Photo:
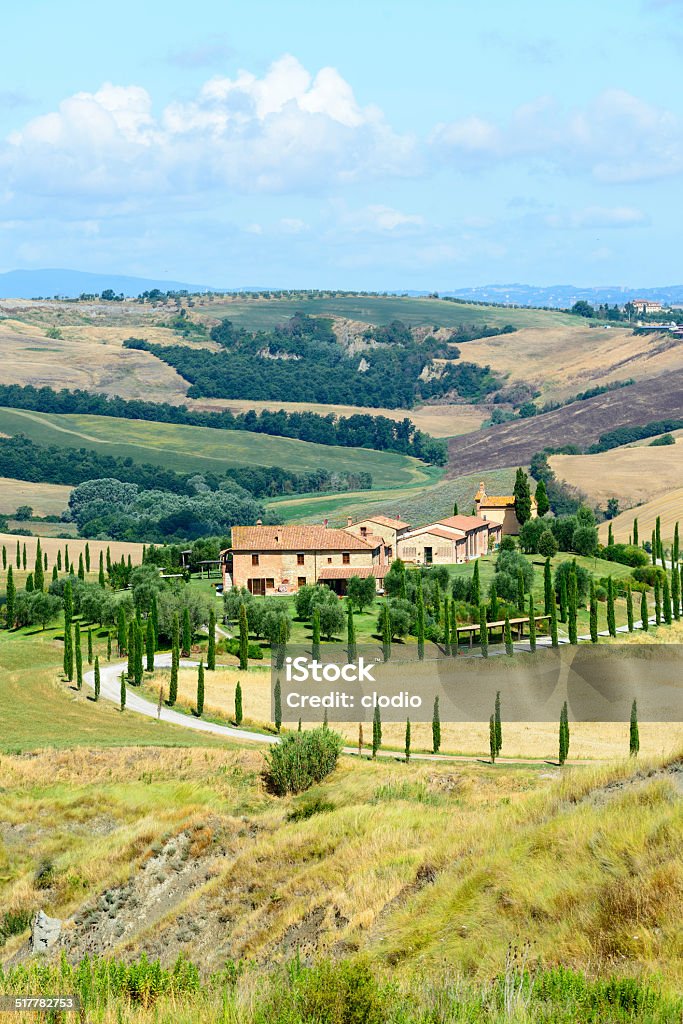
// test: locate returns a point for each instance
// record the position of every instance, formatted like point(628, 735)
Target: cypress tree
point(101, 579)
point(542, 503)
point(436, 602)
point(238, 704)
point(455, 508)
point(521, 603)
point(130, 563)
point(407, 739)
point(28, 586)
point(4, 557)
point(211, 652)
point(475, 586)
point(89, 646)
point(131, 651)
point(66, 558)
point(522, 495)
point(386, 631)
point(282, 642)
point(187, 633)
point(436, 727)
point(108, 646)
point(644, 612)
point(244, 639)
point(483, 632)
point(593, 614)
point(563, 598)
point(554, 639)
point(629, 607)
point(149, 645)
point(350, 634)
point(79, 656)
point(498, 724)
point(666, 601)
point(547, 587)
point(10, 599)
point(122, 698)
point(23, 557)
point(97, 678)
point(81, 568)
point(315, 643)
point(634, 734)
point(610, 535)
point(38, 571)
point(200, 689)
point(653, 549)
point(635, 531)
point(564, 734)
point(447, 625)
point(376, 737)
point(532, 624)
point(676, 593)
point(121, 630)
point(675, 550)
point(277, 700)
point(509, 649)
point(611, 619)
point(87, 557)
point(658, 602)
point(658, 537)
point(59, 560)
point(420, 621)
point(18, 557)
point(492, 739)
point(360, 739)
point(68, 650)
point(175, 661)
point(572, 609)
point(494, 611)
point(454, 629)
point(54, 573)
point(108, 560)
point(154, 615)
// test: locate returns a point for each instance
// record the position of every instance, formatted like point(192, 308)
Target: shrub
point(625, 554)
point(663, 440)
point(301, 759)
point(583, 579)
point(585, 540)
point(507, 544)
point(255, 652)
point(648, 574)
point(307, 808)
point(547, 545)
point(328, 993)
point(508, 565)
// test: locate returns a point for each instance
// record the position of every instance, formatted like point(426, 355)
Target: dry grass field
point(669, 507)
point(634, 474)
point(51, 545)
point(532, 740)
point(44, 499)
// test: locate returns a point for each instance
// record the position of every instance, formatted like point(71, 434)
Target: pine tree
point(101, 579)
point(200, 689)
point(635, 532)
point(238, 704)
point(386, 631)
point(658, 602)
point(542, 503)
point(611, 618)
point(121, 630)
point(629, 607)
point(521, 603)
point(483, 632)
point(593, 614)
point(277, 702)
point(572, 608)
point(10, 599)
point(315, 642)
point(131, 651)
point(498, 724)
point(644, 612)
point(407, 739)
point(244, 639)
point(507, 634)
point(554, 639)
point(79, 656)
point(436, 727)
point(149, 645)
point(350, 634)
point(547, 587)
point(666, 601)
point(122, 698)
point(634, 734)
point(522, 495)
point(376, 731)
point(532, 624)
point(97, 678)
point(175, 661)
point(187, 633)
point(475, 587)
point(108, 646)
point(564, 734)
point(90, 646)
point(38, 571)
point(81, 568)
point(492, 739)
point(676, 593)
point(211, 651)
point(420, 621)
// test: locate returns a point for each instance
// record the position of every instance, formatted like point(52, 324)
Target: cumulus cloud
point(616, 138)
point(284, 131)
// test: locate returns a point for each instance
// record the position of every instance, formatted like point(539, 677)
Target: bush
point(585, 540)
point(328, 993)
point(508, 565)
point(255, 652)
point(308, 807)
point(507, 543)
point(648, 574)
point(583, 579)
point(625, 554)
point(301, 759)
point(530, 535)
point(664, 439)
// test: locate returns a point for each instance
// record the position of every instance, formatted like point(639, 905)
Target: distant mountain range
point(563, 296)
point(69, 284)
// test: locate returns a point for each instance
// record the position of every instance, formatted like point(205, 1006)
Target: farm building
point(385, 528)
point(450, 540)
point(500, 509)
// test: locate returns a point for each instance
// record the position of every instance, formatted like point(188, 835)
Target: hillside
point(668, 507)
point(634, 474)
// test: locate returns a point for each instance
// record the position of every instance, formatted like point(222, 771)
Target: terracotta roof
point(346, 572)
point(295, 538)
point(464, 523)
point(397, 524)
point(499, 501)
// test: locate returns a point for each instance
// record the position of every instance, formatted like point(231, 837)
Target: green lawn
point(258, 314)
point(200, 449)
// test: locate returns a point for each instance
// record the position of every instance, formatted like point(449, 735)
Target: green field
point(258, 314)
point(203, 449)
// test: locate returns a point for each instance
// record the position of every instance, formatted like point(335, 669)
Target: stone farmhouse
point(453, 539)
point(500, 509)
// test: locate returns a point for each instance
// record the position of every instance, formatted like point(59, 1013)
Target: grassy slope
point(201, 449)
point(668, 507)
point(44, 499)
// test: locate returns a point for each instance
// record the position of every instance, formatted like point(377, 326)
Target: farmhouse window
point(346, 558)
point(301, 581)
point(300, 558)
point(254, 559)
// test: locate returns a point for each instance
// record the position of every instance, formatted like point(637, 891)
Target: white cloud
point(616, 138)
point(286, 131)
point(597, 217)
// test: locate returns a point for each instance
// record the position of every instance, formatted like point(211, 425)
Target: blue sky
point(374, 145)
